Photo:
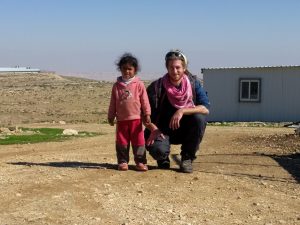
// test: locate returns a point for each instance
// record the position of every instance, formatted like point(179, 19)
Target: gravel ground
point(76, 182)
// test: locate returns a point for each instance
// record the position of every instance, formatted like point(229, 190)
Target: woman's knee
point(198, 120)
point(160, 149)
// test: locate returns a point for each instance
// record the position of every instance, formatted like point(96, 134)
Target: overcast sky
point(86, 37)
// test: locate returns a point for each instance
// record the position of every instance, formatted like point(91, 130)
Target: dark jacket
point(161, 108)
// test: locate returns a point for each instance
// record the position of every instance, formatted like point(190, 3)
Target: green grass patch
point(35, 135)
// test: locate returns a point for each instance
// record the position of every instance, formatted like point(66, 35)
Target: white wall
point(18, 69)
point(280, 94)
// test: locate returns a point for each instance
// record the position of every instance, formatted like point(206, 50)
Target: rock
point(264, 183)
point(254, 217)
point(62, 122)
point(70, 132)
point(13, 128)
point(107, 185)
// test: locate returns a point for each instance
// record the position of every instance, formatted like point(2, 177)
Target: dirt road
point(236, 181)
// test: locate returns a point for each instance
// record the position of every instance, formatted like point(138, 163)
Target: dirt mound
point(279, 144)
point(29, 79)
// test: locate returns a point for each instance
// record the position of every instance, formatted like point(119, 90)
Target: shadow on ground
point(76, 164)
point(291, 163)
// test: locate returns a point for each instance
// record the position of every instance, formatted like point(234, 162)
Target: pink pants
point(130, 131)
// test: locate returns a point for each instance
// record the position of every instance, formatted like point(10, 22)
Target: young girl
point(129, 104)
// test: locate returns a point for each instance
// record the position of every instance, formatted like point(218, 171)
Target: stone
point(70, 132)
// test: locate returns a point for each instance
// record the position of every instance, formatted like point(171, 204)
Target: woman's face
point(175, 70)
point(127, 71)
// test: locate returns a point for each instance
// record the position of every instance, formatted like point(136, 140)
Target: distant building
point(270, 94)
point(18, 69)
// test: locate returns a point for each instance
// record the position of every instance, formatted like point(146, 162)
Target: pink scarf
point(179, 97)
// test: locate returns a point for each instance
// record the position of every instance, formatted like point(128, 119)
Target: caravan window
point(250, 90)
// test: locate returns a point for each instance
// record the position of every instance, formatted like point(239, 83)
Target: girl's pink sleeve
point(145, 101)
point(112, 105)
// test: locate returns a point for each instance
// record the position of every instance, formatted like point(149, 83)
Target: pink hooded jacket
point(128, 101)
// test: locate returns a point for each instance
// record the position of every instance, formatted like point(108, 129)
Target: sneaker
point(123, 166)
point(186, 166)
point(141, 167)
point(164, 163)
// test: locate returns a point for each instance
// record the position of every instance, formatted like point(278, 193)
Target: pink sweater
point(128, 101)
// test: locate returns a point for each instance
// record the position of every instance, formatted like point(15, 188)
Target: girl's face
point(175, 70)
point(127, 71)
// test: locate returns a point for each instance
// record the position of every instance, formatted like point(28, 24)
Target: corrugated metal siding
point(280, 93)
point(291, 91)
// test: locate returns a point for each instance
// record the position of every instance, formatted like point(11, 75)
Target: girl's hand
point(146, 120)
point(175, 120)
point(153, 136)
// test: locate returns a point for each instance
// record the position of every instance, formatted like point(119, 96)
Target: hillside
point(28, 98)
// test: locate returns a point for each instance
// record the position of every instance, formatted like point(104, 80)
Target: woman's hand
point(175, 120)
point(154, 135)
point(111, 121)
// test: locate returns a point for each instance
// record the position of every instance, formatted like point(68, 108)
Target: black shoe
point(164, 163)
point(186, 166)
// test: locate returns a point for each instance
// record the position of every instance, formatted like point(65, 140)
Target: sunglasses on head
point(174, 54)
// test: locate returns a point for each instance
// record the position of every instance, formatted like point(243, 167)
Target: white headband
point(176, 53)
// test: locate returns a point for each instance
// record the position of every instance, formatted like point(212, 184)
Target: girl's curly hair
point(128, 58)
